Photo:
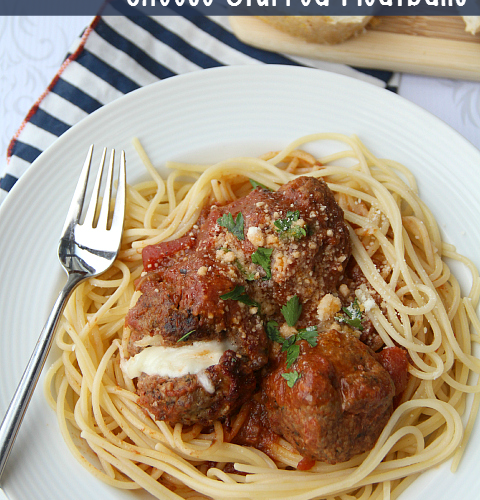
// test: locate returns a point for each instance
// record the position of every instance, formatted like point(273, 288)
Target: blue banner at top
point(242, 7)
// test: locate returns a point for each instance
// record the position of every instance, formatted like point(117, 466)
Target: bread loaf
point(319, 29)
point(472, 24)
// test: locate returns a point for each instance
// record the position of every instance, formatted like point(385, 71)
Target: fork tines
point(92, 217)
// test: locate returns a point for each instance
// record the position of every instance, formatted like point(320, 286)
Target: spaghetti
point(424, 312)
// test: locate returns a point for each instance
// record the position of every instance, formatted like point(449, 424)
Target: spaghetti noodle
point(424, 312)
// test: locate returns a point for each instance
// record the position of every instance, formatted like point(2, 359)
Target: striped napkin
point(118, 54)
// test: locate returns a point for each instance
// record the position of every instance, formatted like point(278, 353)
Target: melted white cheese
point(174, 362)
point(205, 382)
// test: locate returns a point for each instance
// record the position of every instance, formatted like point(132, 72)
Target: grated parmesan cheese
point(255, 236)
point(367, 303)
point(328, 306)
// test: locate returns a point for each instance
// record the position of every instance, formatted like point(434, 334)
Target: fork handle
point(14, 416)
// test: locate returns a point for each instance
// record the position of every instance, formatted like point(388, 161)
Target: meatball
point(305, 230)
point(178, 300)
point(181, 305)
point(186, 400)
point(339, 404)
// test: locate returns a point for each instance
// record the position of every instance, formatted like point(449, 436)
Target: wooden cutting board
point(435, 46)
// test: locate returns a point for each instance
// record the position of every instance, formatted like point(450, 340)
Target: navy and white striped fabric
point(118, 54)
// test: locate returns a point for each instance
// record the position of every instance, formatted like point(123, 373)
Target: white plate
point(209, 115)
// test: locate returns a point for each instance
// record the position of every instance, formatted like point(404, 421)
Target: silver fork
point(85, 250)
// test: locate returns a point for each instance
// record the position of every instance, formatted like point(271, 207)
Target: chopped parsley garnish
point(262, 258)
point(234, 294)
point(238, 293)
point(273, 333)
point(291, 311)
point(248, 276)
point(234, 226)
point(185, 336)
point(289, 345)
point(287, 228)
point(256, 184)
point(352, 316)
point(292, 354)
point(310, 334)
point(291, 378)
